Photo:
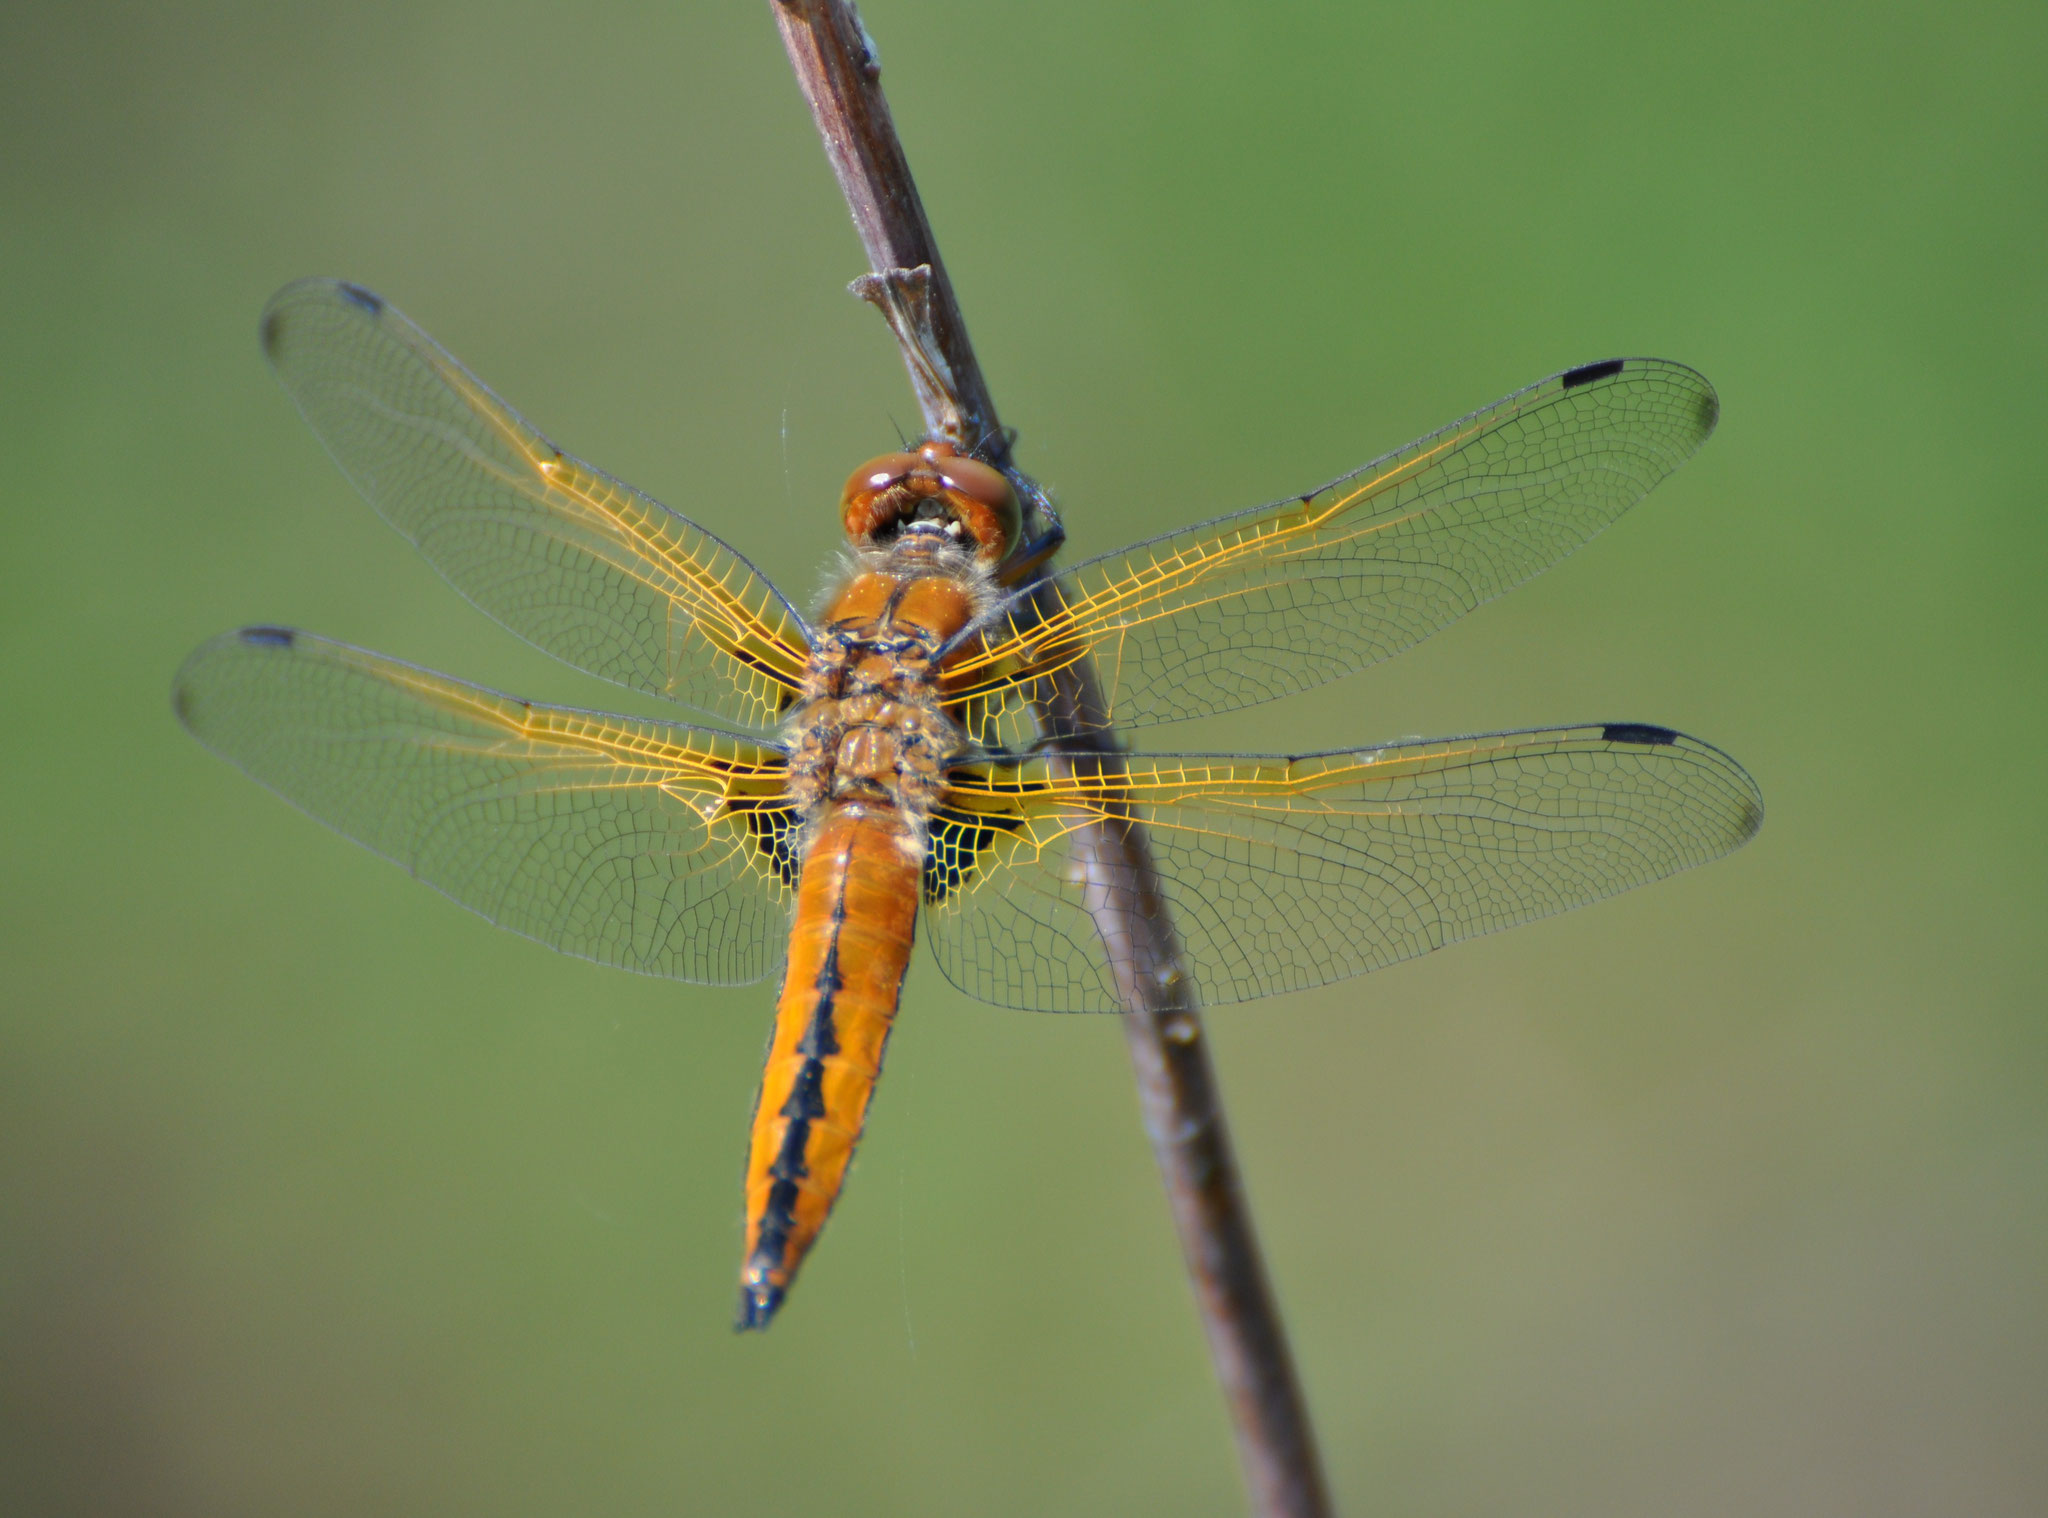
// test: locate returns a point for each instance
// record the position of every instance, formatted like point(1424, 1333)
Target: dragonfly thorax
point(870, 727)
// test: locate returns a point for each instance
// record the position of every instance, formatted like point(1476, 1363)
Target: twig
point(840, 74)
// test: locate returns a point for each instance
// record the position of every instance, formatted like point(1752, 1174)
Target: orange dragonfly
point(886, 766)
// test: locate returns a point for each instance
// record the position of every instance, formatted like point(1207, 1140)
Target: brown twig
point(837, 67)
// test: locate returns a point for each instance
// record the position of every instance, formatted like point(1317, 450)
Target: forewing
point(1283, 598)
point(581, 564)
point(648, 845)
point(1286, 873)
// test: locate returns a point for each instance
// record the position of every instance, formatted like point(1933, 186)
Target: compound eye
point(878, 474)
point(864, 506)
point(981, 498)
point(970, 477)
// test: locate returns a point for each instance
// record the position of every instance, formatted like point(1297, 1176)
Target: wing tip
point(182, 701)
point(270, 332)
point(271, 326)
point(1749, 820)
point(1746, 818)
point(1706, 404)
point(188, 685)
point(1706, 408)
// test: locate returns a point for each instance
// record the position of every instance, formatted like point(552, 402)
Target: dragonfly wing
point(1285, 873)
point(1286, 597)
point(577, 562)
point(648, 845)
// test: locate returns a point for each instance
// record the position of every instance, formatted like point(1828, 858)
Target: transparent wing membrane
point(675, 850)
point(587, 567)
point(1286, 597)
point(648, 845)
point(1286, 873)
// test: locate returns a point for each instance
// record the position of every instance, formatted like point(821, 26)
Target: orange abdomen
point(856, 913)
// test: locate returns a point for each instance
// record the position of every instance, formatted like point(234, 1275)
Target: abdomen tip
point(757, 1307)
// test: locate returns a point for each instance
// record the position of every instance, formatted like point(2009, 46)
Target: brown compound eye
point(982, 500)
point(934, 482)
point(870, 501)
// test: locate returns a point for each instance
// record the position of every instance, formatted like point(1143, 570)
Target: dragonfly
point(880, 762)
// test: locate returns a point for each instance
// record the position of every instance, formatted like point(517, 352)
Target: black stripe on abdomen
point(805, 1105)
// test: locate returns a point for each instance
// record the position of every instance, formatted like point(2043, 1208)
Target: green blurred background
point(320, 1196)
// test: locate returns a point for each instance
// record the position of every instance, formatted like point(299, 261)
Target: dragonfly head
point(936, 491)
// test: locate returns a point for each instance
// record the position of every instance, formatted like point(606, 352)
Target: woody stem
point(840, 76)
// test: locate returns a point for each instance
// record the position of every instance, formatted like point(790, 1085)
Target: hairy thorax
point(869, 729)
